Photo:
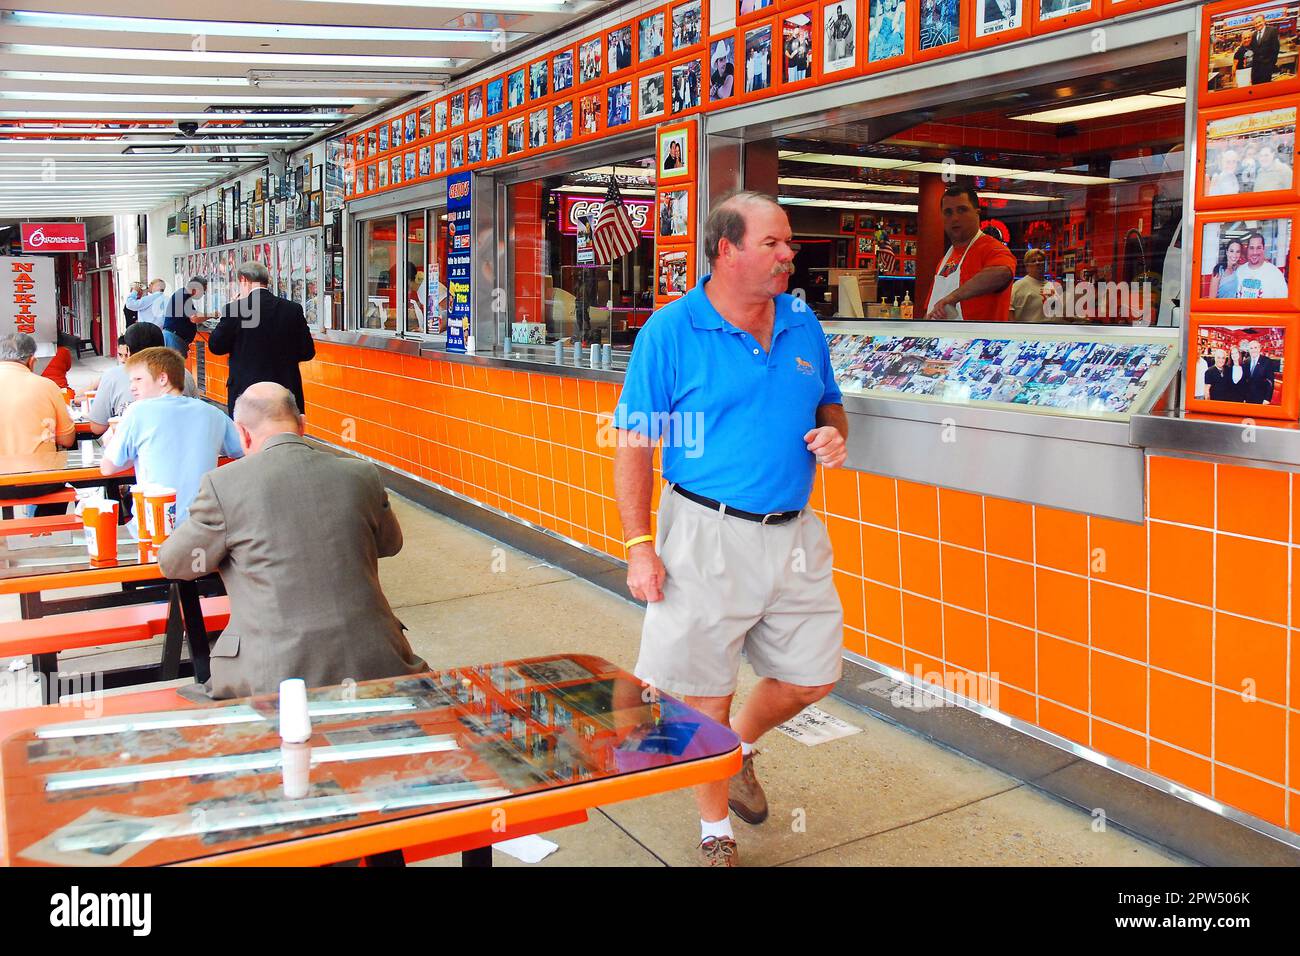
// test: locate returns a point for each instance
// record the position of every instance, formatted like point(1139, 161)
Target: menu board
point(1094, 377)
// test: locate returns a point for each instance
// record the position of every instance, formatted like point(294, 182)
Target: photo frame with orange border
point(1234, 129)
point(537, 72)
point(474, 104)
point(799, 65)
point(879, 47)
point(675, 215)
point(494, 97)
point(456, 152)
point(537, 128)
point(620, 60)
point(1016, 28)
point(372, 178)
point(475, 147)
point(517, 81)
point(589, 62)
point(516, 136)
point(1210, 365)
point(1224, 27)
point(564, 70)
point(564, 119)
point(684, 135)
point(687, 82)
point(425, 121)
point(589, 114)
point(758, 69)
point(1249, 288)
point(747, 11)
point(440, 164)
point(649, 108)
point(674, 272)
point(688, 26)
point(652, 36)
point(830, 65)
point(925, 32)
point(721, 55)
point(618, 104)
point(411, 126)
point(1117, 8)
point(1048, 16)
point(494, 143)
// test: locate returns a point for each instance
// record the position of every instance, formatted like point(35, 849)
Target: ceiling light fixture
point(1112, 107)
point(218, 56)
point(959, 169)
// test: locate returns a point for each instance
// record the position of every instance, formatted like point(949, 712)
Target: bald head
point(264, 410)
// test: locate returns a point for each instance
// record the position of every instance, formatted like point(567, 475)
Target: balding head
point(264, 410)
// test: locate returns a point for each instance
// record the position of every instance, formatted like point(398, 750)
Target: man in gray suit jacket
point(297, 535)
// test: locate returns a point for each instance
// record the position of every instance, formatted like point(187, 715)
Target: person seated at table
point(113, 393)
point(56, 369)
point(172, 439)
point(34, 418)
point(297, 534)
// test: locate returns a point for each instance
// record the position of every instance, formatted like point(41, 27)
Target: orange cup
point(141, 509)
point(100, 520)
point(161, 503)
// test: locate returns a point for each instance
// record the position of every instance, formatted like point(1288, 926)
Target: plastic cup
point(295, 720)
point(141, 509)
point(295, 766)
point(100, 521)
point(161, 503)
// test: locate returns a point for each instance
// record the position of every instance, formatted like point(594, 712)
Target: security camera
point(188, 129)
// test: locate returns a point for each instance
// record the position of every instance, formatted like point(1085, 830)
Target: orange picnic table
point(421, 765)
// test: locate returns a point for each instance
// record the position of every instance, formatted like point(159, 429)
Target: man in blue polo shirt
point(735, 378)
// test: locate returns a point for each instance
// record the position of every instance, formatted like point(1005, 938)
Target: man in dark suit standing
point(264, 335)
point(1264, 46)
point(1258, 374)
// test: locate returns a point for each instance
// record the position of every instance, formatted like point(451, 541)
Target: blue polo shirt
point(731, 415)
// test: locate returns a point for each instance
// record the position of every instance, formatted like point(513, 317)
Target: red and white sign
point(54, 237)
point(573, 208)
point(27, 297)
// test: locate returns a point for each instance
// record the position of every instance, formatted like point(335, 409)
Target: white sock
point(746, 749)
point(719, 828)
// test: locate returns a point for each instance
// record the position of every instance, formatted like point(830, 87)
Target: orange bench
point(63, 496)
point(35, 526)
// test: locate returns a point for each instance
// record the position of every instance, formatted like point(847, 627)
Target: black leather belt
point(776, 517)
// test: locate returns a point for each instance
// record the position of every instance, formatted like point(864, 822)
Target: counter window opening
point(402, 266)
point(1088, 177)
point(561, 288)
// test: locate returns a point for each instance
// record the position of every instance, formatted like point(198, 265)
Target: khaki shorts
point(735, 585)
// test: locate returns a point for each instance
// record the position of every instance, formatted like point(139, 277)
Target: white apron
point(945, 284)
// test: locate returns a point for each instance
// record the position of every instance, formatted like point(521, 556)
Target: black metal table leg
point(479, 856)
point(171, 654)
point(387, 858)
point(196, 631)
point(47, 669)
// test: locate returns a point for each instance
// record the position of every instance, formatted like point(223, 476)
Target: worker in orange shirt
point(973, 283)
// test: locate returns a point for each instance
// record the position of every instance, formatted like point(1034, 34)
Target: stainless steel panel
point(369, 340)
point(1255, 442)
point(1084, 476)
point(525, 365)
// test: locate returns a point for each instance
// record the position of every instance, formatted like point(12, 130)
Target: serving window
point(563, 288)
point(401, 270)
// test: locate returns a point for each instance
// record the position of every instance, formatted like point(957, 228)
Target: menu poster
point(459, 269)
point(312, 278)
point(1091, 378)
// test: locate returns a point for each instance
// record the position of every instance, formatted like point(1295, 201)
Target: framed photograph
point(562, 71)
point(383, 174)
point(618, 48)
point(941, 27)
point(1245, 264)
point(516, 87)
point(395, 133)
point(494, 148)
point(589, 61)
point(590, 108)
point(394, 177)
point(1248, 51)
point(841, 253)
point(1246, 154)
point(687, 24)
point(747, 10)
point(676, 152)
point(411, 127)
point(618, 104)
point(998, 21)
point(317, 174)
point(474, 104)
point(539, 128)
point(799, 56)
point(839, 36)
point(1048, 15)
point(317, 205)
point(383, 138)
point(677, 214)
point(651, 104)
point(496, 96)
point(650, 44)
point(439, 157)
point(409, 165)
point(426, 122)
point(539, 80)
point(685, 81)
point(722, 69)
point(457, 152)
point(675, 273)
point(1237, 368)
point(562, 122)
point(474, 147)
point(424, 163)
point(515, 136)
point(372, 143)
point(372, 181)
point(758, 59)
point(457, 117)
point(865, 222)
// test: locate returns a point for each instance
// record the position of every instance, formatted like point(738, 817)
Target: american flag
point(614, 235)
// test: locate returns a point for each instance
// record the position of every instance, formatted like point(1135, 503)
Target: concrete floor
point(884, 797)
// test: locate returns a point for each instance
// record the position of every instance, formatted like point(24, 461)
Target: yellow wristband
point(640, 540)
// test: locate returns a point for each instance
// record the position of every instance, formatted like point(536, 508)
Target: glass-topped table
point(76, 464)
point(435, 758)
point(69, 557)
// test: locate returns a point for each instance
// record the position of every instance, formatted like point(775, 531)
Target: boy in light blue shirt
point(173, 440)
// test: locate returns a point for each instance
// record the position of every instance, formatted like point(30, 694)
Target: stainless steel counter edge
point(1250, 441)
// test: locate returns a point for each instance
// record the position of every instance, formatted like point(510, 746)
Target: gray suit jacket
point(297, 535)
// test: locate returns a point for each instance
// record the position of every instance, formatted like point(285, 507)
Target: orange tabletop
point(450, 759)
point(52, 567)
point(56, 467)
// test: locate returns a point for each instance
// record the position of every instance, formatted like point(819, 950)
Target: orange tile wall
point(1136, 640)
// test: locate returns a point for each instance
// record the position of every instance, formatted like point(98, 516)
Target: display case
point(1035, 413)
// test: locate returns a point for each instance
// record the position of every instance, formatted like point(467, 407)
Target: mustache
point(780, 267)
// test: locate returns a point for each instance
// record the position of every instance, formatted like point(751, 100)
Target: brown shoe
point(718, 851)
point(745, 795)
